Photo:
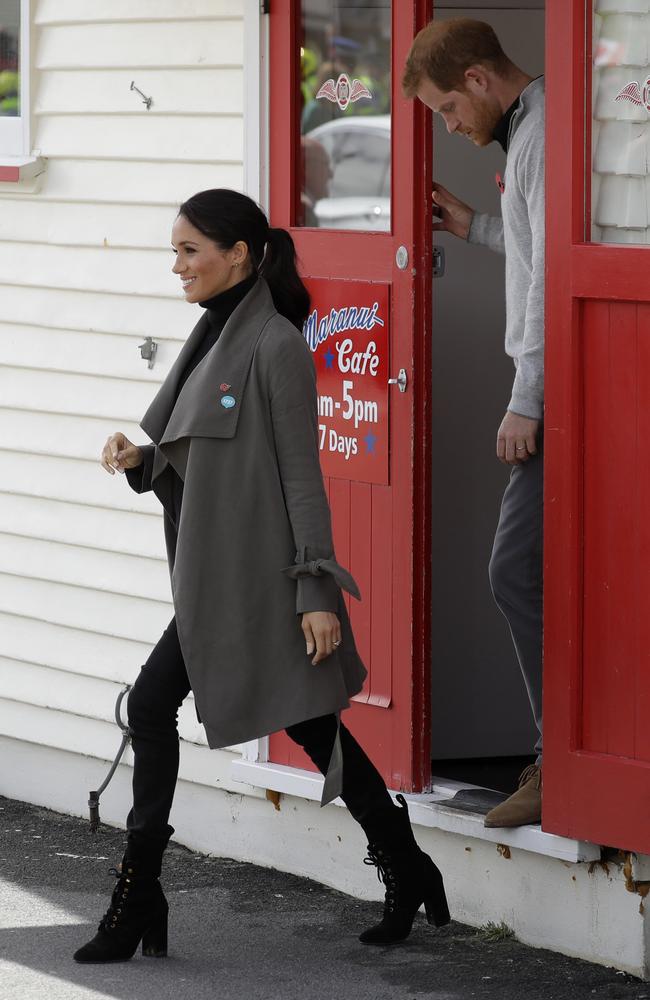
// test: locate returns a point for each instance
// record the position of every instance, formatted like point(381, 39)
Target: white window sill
point(425, 810)
point(19, 170)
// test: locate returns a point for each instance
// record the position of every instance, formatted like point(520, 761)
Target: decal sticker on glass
point(636, 94)
point(343, 91)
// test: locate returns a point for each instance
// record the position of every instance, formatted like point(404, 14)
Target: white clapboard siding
point(62, 11)
point(62, 730)
point(90, 737)
point(50, 687)
point(85, 276)
point(112, 357)
point(79, 481)
point(75, 659)
point(82, 225)
point(92, 312)
point(173, 43)
point(152, 138)
point(62, 392)
point(138, 272)
point(47, 687)
point(68, 436)
point(89, 569)
point(83, 180)
point(109, 92)
point(75, 650)
point(77, 524)
point(77, 607)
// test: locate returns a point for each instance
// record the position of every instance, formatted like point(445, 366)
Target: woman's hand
point(119, 454)
point(322, 631)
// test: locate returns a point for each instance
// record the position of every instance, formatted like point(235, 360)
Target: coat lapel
point(209, 403)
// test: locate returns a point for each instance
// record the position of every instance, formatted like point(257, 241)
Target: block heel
point(436, 906)
point(154, 939)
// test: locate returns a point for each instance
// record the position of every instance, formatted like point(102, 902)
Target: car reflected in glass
point(356, 152)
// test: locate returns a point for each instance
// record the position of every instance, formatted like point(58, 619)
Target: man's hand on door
point(454, 216)
point(517, 439)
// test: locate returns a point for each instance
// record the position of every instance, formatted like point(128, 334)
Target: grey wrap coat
point(253, 547)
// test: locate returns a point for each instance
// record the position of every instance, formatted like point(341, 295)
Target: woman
point(263, 645)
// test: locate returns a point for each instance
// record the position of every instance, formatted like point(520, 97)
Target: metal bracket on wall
point(148, 351)
point(265, 6)
point(145, 100)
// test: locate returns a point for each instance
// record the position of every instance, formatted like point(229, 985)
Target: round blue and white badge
point(228, 402)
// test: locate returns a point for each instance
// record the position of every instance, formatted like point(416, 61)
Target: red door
point(350, 178)
point(597, 604)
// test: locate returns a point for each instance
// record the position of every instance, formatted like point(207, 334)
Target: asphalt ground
point(241, 932)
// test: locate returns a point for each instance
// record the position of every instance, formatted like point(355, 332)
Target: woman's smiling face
point(203, 268)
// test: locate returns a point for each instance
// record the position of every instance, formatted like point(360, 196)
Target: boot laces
point(118, 902)
point(385, 874)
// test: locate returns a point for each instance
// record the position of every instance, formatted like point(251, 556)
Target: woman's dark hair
point(226, 217)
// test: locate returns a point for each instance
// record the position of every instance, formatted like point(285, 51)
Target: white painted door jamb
point(256, 103)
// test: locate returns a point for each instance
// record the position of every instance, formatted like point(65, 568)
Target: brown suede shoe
point(524, 806)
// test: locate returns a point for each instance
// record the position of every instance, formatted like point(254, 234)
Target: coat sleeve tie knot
point(316, 567)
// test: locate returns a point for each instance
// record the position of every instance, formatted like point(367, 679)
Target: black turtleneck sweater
point(219, 310)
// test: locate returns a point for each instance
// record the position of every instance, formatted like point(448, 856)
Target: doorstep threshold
point(429, 809)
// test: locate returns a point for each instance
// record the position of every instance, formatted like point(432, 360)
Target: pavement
point(241, 932)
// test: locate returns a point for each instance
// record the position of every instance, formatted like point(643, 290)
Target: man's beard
point(486, 118)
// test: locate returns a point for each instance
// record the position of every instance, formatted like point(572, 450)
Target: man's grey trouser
point(516, 573)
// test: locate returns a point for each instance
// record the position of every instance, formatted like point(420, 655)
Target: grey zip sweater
point(520, 234)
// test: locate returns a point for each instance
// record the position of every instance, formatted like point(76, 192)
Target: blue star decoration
point(329, 358)
point(371, 441)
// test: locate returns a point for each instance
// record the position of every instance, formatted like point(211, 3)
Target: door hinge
point(265, 6)
point(438, 262)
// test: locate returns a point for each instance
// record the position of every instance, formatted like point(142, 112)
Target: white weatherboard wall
point(85, 276)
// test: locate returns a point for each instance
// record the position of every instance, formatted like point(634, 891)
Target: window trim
point(15, 132)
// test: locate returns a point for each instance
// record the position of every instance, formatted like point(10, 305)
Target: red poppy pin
point(501, 184)
point(224, 387)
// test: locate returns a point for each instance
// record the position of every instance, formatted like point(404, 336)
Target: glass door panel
point(620, 181)
point(345, 122)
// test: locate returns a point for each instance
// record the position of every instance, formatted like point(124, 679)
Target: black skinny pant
point(153, 706)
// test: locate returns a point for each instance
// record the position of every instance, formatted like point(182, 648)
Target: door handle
point(401, 380)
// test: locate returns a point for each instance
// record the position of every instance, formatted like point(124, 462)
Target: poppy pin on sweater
point(501, 184)
point(224, 387)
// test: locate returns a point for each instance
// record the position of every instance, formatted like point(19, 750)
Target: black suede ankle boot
point(138, 912)
point(410, 877)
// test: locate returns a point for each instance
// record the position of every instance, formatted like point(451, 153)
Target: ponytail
point(226, 217)
point(278, 268)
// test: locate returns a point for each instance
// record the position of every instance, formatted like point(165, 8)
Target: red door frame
point(398, 738)
point(591, 794)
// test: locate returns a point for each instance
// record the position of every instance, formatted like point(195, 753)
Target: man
point(459, 70)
